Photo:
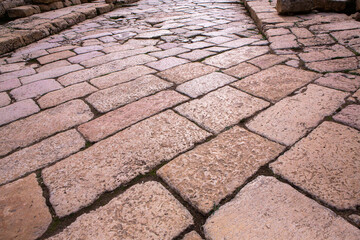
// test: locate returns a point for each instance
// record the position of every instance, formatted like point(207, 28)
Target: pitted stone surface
point(144, 211)
point(341, 81)
point(40, 155)
point(111, 98)
point(325, 164)
point(291, 118)
point(334, 65)
point(269, 209)
point(23, 211)
point(78, 180)
point(218, 167)
point(31, 129)
point(276, 82)
point(350, 116)
point(221, 108)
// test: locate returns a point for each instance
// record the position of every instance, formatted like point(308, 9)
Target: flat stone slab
point(80, 179)
point(334, 65)
point(341, 81)
point(236, 56)
point(123, 117)
point(276, 82)
point(325, 164)
point(205, 84)
point(269, 209)
point(291, 118)
point(350, 116)
point(35, 89)
point(167, 63)
point(17, 110)
point(144, 211)
point(40, 155)
point(218, 167)
point(117, 96)
point(34, 128)
point(242, 70)
point(154, 34)
point(221, 108)
point(268, 60)
point(23, 211)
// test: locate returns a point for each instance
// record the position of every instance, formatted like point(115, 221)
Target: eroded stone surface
point(222, 108)
point(218, 167)
point(292, 117)
point(269, 209)
point(144, 211)
point(349, 116)
point(23, 211)
point(78, 180)
point(325, 164)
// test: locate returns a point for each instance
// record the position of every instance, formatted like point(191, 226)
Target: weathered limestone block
point(294, 6)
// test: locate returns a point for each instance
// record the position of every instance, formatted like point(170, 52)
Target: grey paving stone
point(35, 89)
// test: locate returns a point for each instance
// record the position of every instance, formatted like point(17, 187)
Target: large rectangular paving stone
point(34, 128)
point(40, 155)
point(325, 164)
point(236, 56)
point(78, 180)
point(114, 97)
point(205, 84)
point(269, 209)
point(144, 211)
point(17, 110)
point(210, 172)
point(23, 211)
point(123, 117)
point(221, 108)
point(276, 82)
point(291, 118)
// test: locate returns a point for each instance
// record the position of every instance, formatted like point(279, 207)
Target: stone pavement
point(181, 120)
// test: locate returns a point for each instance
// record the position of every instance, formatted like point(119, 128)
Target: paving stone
point(185, 72)
point(350, 115)
point(119, 159)
point(17, 110)
point(239, 42)
point(218, 167)
point(123, 117)
point(196, 55)
point(61, 48)
point(4, 99)
point(81, 50)
point(154, 34)
point(277, 32)
point(34, 128)
point(291, 118)
point(219, 39)
point(167, 63)
point(235, 56)
point(40, 155)
point(197, 45)
point(242, 70)
point(221, 108)
point(4, 68)
point(169, 52)
point(325, 53)
point(276, 82)
point(16, 74)
point(144, 211)
point(355, 218)
point(86, 56)
point(283, 42)
point(301, 32)
point(87, 74)
point(318, 40)
point(269, 209)
point(65, 94)
point(117, 96)
point(341, 81)
point(55, 57)
point(325, 164)
point(192, 236)
point(53, 65)
point(9, 84)
point(334, 65)
point(35, 89)
point(268, 60)
point(205, 84)
point(23, 210)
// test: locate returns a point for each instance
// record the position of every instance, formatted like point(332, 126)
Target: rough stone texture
point(121, 118)
point(294, 6)
point(40, 155)
point(268, 60)
point(236, 56)
point(355, 218)
point(17, 110)
point(167, 63)
point(55, 57)
point(242, 70)
point(349, 116)
point(35, 89)
point(185, 72)
point(117, 96)
point(218, 167)
point(334, 65)
point(292, 117)
point(269, 209)
point(52, 66)
point(192, 236)
point(118, 160)
point(144, 211)
point(23, 211)
point(221, 108)
point(276, 82)
point(321, 53)
point(9, 84)
point(325, 164)
point(26, 131)
point(205, 84)
point(341, 81)
point(4, 99)
point(74, 91)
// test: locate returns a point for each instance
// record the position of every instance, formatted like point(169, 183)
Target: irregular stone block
point(294, 6)
point(23, 11)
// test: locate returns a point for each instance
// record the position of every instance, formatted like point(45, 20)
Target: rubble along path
point(180, 120)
